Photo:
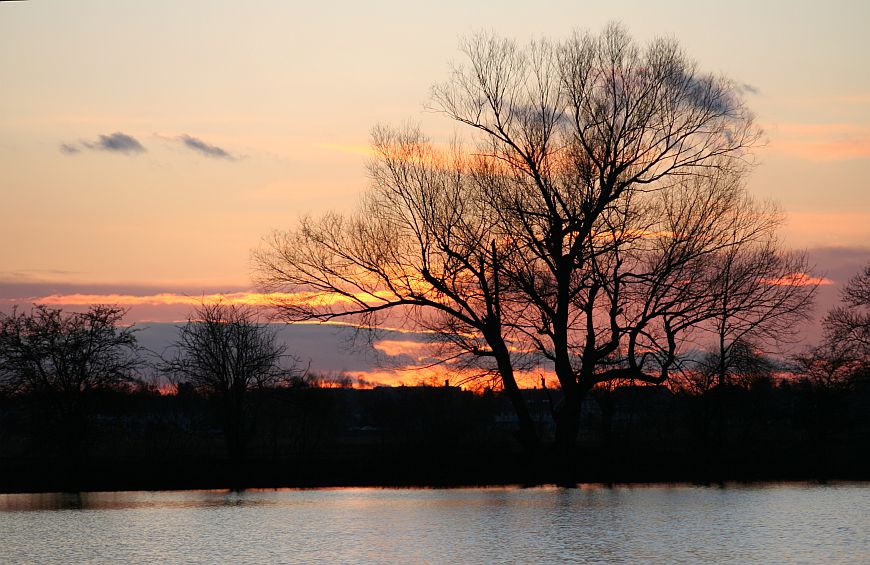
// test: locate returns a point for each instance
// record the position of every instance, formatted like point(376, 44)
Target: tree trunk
point(527, 433)
point(568, 420)
point(236, 441)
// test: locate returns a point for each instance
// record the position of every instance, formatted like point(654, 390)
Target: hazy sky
point(146, 147)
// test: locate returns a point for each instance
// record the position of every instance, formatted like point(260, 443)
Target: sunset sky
point(147, 147)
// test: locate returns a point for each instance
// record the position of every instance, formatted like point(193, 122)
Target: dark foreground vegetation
point(306, 436)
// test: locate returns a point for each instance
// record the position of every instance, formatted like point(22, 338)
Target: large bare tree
point(577, 227)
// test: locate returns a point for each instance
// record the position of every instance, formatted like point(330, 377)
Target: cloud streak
point(205, 149)
point(799, 279)
point(174, 299)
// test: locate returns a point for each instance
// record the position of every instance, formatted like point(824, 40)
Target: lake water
point(649, 524)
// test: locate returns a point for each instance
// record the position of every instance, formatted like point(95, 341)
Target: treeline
point(138, 437)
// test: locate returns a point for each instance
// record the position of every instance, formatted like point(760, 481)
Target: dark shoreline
point(438, 437)
point(488, 470)
point(507, 486)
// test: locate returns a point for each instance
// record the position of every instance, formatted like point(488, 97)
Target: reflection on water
point(129, 500)
point(780, 523)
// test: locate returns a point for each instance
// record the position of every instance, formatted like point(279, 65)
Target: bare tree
point(226, 354)
point(586, 139)
point(744, 363)
point(760, 293)
point(576, 229)
point(421, 251)
point(829, 364)
point(59, 358)
point(845, 350)
point(850, 324)
point(66, 354)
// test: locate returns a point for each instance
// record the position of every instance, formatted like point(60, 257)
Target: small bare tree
point(52, 352)
point(850, 323)
point(759, 293)
point(845, 350)
point(225, 353)
point(59, 358)
point(830, 364)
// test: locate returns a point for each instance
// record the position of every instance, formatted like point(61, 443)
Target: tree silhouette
point(579, 228)
point(59, 358)
point(225, 353)
point(850, 323)
point(423, 250)
point(761, 295)
point(844, 353)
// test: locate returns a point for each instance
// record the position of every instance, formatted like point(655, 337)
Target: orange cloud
point(172, 299)
point(431, 376)
point(438, 374)
point(823, 142)
point(798, 279)
point(394, 347)
point(816, 229)
point(827, 151)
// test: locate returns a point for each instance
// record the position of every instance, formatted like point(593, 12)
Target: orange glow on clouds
point(438, 374)
point(174, 299)
point(824, 142)
point(394, 347)
point(422, 372)
point(170, 299)
point(798, 279)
